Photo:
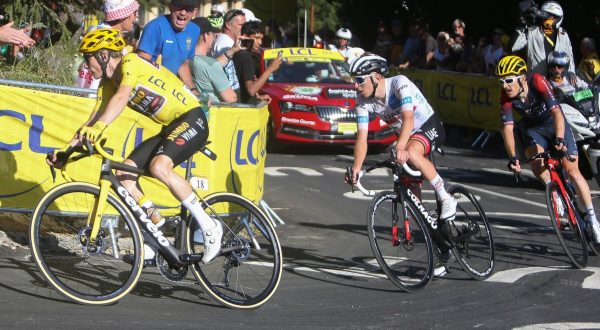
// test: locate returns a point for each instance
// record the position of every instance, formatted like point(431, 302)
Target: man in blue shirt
point(170, 40)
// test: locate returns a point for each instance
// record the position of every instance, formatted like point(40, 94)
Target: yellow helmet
point(511, 64)
point(98, 39)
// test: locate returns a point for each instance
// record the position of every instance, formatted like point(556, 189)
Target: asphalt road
point(330, 277)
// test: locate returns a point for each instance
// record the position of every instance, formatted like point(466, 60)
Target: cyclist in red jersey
point(544, 123)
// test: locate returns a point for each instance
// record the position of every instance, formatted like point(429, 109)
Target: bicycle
point(81, 235)
point(572, 230)
point(402, 230)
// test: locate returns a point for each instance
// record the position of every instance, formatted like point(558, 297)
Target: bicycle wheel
point(87, 272)
point(245, 278)
point(404, 252)
point(472, 241)
point(569, 231)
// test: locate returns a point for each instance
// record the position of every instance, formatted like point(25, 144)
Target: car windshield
point(311, 72)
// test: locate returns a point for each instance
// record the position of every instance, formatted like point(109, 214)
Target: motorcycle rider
point(544, 123)
point(558, 74)
point(543, 38)
point(342, 45)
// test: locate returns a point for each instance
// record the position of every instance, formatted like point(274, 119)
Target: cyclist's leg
point(539, 138)
point(140, 157)
point(183, 138)
point(581, 185)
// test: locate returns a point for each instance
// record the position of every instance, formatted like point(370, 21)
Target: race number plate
point(347, 128)
point(582, 95)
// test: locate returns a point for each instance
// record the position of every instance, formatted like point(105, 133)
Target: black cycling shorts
point(430, 134)
point(545, 133)
point(179, 140)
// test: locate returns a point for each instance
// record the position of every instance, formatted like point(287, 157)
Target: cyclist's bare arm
point(408, 122)
point(360, 151)
point(509, 143)
point(115, 105)
point(559, 122)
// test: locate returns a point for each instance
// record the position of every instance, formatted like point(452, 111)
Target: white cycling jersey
point(401, 94)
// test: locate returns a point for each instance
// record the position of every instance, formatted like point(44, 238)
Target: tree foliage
point(326, 12)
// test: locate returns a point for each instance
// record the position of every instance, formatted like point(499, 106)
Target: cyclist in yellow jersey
point(155, 92)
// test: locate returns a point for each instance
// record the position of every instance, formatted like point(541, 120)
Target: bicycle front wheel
point(246, 277)
point(85, 269)
point(472, 241)
point(567, 228)
point(402, 247)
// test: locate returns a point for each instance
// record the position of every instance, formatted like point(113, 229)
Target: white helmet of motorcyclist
point(344, 33)
point(553, 8)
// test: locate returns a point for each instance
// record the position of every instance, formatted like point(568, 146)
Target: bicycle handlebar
point(368, 192)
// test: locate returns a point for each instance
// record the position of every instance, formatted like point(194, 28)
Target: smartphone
point(247, 43)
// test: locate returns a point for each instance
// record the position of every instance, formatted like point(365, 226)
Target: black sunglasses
point(361, 79)
point(231, 14)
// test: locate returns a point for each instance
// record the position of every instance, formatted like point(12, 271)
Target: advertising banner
point(33, 123)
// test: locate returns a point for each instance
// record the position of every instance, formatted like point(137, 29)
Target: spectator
point(383, 43)
point(120, 15)
point(232, 29)
point(412, 52)
point(173, 39)
point(217, 11)
point(446, 54)
point(247, 65)
point(540, 40)
point(207, 72)
point(589, 66)
point(491, 53)
point(557, 74)
point(342, 42)
point(397, 42)
point(460, 38)
point(429, 44)
point(10, 35)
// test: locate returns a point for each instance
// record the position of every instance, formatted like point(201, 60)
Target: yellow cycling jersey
point(156, 91)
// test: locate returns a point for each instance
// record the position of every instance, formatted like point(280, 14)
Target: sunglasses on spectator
point(189, 9)
point(360, 80)
point(232, 14)
point(554, 66)
point(508, 80)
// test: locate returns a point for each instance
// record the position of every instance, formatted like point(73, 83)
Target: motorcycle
point(582, 112)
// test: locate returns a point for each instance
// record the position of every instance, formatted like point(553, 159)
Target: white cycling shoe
point(212, 242)
point(448, 209)
point(596, 232)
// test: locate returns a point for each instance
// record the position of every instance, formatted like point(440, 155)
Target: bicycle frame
point(553, 165)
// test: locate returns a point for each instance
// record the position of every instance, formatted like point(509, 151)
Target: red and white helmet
point(344, 33)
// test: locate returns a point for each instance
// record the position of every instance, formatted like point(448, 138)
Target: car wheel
point(273, 145)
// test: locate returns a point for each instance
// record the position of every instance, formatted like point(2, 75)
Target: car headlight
point(291, 106)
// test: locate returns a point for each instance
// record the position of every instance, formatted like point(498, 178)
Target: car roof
point(303, 54)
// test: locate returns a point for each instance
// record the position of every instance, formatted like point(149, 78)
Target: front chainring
point(168, 272)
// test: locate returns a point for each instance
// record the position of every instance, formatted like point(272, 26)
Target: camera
point(530, 13)
point(247, 43)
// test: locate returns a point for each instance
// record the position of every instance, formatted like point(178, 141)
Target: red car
point(313, 99)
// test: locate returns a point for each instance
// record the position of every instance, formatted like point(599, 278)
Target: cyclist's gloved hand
point(514, 164)
point(93, 133)
point(351, 176)
point(58, 158)
point(559, 143)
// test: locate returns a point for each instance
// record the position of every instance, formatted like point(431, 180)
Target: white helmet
point(344, 33)
point(553, 8)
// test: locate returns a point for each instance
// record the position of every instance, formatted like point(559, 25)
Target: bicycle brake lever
point(53, 172)
point(517, 176)
point(88, 146)
point(350, 176)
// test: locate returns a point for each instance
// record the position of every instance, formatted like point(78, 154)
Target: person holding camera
point(543, 34)
point(247, 64)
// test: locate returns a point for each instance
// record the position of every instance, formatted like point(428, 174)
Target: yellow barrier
point(34, 123)
point(462, 99)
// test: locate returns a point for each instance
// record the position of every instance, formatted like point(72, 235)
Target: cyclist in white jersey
point(398, 102)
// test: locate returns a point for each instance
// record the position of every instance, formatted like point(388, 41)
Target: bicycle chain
point(167, 271)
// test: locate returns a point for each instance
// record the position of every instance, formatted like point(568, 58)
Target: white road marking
point(277, 171)
point(560, 326)
point(376, 172)
point(516, 199)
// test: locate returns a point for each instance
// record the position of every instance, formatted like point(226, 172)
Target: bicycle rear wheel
point(404, 252)
point(472, 241)
point(245, 278)
point(568, 230)
point(85, 270)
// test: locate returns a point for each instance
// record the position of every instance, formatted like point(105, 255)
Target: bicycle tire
point(471, 235)
point(571, 236)
point(58, 245)
point(409, 264)
point(257, 269)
